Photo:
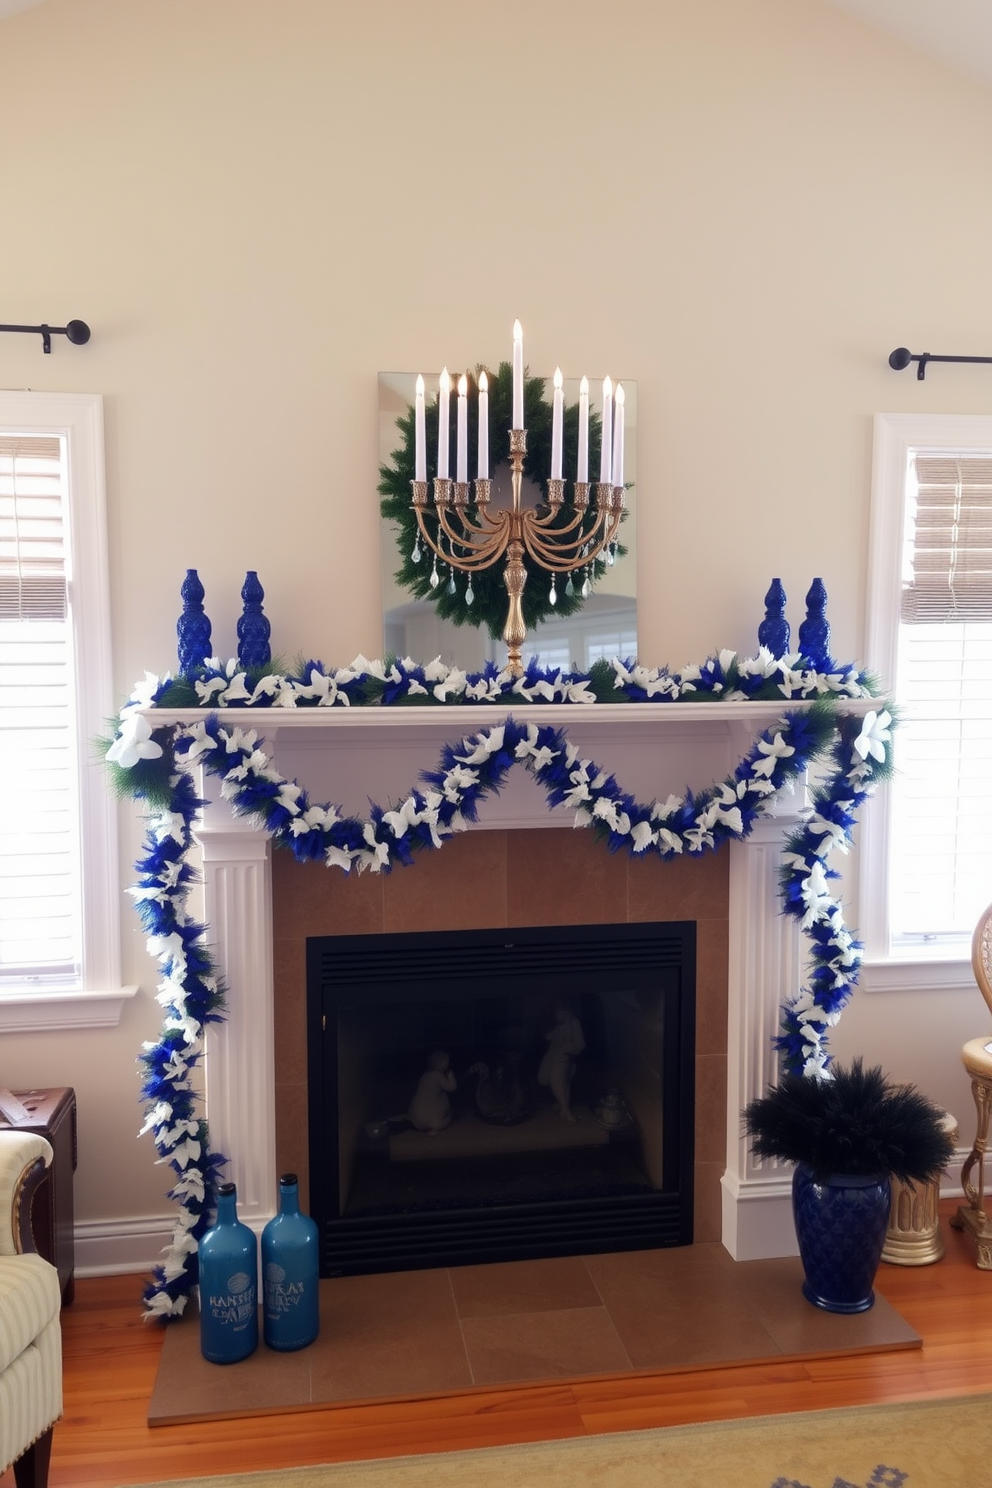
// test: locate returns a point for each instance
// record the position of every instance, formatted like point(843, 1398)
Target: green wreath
point(488, 603)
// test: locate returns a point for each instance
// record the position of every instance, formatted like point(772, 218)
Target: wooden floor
point(111, 1357)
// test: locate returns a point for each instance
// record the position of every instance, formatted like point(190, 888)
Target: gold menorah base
point(483, 536)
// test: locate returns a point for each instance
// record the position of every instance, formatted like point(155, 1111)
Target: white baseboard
point(111, 1247)
point(757, 1217)
point(757, 1225)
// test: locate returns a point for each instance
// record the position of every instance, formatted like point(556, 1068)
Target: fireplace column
point(765, 969)
point(240, 1077)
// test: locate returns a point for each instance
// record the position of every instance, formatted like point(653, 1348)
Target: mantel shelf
point(472, 717)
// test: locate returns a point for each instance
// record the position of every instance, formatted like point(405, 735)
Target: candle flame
point(620, 395)
point(607, 388)
point(518, 331)
point(420, 386)
point(584, 388)
point(558, 377)
point(463, 386)
point(445, 381)
point(483, 383)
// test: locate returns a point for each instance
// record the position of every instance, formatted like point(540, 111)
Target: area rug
point(932, 1444)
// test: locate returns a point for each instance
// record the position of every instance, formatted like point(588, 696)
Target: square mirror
point(604, 624)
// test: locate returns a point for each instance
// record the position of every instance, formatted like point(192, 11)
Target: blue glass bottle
point(228, 1263)
point(253, 627)
point(290, 1273)
point(193, 626)
point(773, 632)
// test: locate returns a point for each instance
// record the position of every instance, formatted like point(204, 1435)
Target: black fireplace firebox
point(492, 1095)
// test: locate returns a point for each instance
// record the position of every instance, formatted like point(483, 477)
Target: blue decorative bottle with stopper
point(253, 627)
point(192, 627)
point(814, 633)
point(290, 1273)
point(773, 632)
point(228, 1273)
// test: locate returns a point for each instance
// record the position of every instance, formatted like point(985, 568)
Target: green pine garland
point(490, 601)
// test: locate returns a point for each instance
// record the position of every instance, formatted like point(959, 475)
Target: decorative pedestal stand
point(913, 1237)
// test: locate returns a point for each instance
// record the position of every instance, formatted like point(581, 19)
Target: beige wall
point(257, 206)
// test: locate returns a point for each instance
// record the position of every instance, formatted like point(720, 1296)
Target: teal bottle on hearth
point(290, 1273)
point(228, 1265)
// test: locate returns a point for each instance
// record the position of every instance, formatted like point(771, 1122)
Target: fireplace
point(517, 868)
point(500, 1094)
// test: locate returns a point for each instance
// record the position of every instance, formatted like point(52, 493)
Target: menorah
point(479, 536)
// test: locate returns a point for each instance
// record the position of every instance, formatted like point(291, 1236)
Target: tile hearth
point(412, 1334)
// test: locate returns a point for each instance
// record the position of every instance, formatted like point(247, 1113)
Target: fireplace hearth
point(491, 1095)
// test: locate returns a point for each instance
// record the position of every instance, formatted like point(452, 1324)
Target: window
point(59, 912)
point(40, 923)
point(927, 843)
point(591, 635)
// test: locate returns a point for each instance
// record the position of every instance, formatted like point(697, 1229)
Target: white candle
point(443, 411)
point(618, 418)
point(606, 448)
point(518, 375)
point(483, 470)
point(461, 455)
point(557, 415)
point(583, 470)
point(419, 436)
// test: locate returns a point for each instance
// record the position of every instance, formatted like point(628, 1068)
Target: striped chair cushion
point(30, 1394)
point(29, 1301)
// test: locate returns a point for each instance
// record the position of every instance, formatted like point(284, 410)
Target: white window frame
point(97, 1001)
point(897, 437)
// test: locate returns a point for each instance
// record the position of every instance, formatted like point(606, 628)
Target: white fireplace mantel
point(346, 755)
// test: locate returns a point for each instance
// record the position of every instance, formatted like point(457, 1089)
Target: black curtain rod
point(77, 331)
point(901, 358)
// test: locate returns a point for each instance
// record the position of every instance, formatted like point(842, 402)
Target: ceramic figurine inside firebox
point(430, 1109)
point(565, 1043)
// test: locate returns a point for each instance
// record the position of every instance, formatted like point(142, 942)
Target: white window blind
point(941, 823)
point(40, 918)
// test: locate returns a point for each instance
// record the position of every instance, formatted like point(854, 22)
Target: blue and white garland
point(467, 771)
point(726, 677)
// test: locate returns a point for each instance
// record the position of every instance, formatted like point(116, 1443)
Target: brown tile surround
point(490, 879)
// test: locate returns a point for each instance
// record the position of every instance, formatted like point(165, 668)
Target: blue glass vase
point(290, 1273)
point(253, 627)
point(774, 632)
point(228, 1266)
point(193, 626)
point(814, 633)
point(840, 1225)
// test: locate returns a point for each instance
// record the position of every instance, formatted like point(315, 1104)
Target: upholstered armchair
point(30, 1337)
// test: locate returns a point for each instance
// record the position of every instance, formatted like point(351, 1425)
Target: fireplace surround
point(507, 870)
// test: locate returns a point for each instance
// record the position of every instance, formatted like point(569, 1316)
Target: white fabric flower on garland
point(875, 734)
point(134, 742)
point(773, 750)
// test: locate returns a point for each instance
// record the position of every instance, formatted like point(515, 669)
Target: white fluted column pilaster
point(765, 969)
point(240, 1074)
